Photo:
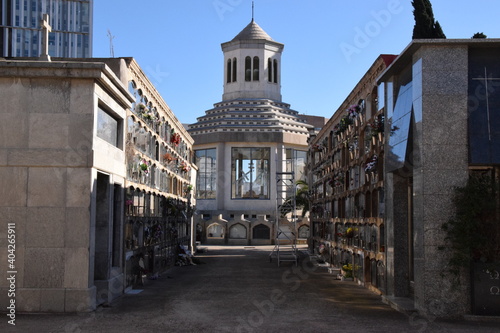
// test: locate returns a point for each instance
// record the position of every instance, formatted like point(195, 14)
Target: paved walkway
point(237, 289)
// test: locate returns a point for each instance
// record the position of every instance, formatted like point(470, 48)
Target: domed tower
point(243, 142)
point(252, 65)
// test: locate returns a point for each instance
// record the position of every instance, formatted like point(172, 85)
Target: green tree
point(425, 25)
point(473, 232)
point(301, 199)
point(479, 35)
point(302, 196)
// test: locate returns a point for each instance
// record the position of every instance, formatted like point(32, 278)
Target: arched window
point(238, 231)
point(149, 144)
point(256, 68)
point(248, 69)
point(261, 231)
point(228, 74)
point(132, 87)
point(215, 230)
point(304, 231)
point(373, 272)
point(269, 70)
point(382, 238)
point(380, 275)
point(152, 177)
point(358, 268)
point(139, 202)
point(275, 69)
point(142, 139)
point(375, 203)
point(130, 128)
point(368, 206)
point(234, 70)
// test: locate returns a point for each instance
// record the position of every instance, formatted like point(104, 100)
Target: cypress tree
point(425, 26)
point(438, 32)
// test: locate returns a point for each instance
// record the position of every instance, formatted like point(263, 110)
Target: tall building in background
point(70, 22)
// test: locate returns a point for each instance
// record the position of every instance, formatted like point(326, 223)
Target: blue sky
point(329, 44)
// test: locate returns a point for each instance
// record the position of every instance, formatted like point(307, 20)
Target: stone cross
point(487, 90)
point(46, 28)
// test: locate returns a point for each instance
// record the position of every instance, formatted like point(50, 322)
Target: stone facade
point(55, 174)
point(72, 186)
point(427, 157)
point(160, 178)
point(346, 163)
point(243, 142)
point(437, 107)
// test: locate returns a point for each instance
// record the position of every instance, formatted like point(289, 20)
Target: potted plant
point(144, 166)
point(168, 158)
point(347, 274)
point(371, 166)
point(141, 108)
point(175, 138)
point(185, 167)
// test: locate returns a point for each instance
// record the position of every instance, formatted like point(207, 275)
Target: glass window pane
point(207, 173)
point(484, 103)
point(107, 127)
point(250, 173)
point(400, 128)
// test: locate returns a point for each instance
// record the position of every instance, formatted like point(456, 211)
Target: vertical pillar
point(223, 175)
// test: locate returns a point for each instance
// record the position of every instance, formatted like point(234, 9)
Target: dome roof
point(252, 31)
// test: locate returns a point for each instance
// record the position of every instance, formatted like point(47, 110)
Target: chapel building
point(244, 142)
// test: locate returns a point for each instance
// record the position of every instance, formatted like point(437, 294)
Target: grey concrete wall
point(441, 163)
point(45, 181)
point(47, 155)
